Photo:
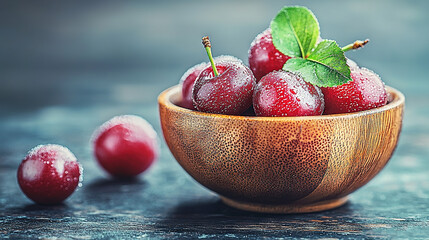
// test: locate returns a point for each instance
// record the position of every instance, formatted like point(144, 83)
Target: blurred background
point(80, 52)
point(68, 66)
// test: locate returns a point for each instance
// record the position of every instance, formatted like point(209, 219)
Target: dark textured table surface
point(65, 68)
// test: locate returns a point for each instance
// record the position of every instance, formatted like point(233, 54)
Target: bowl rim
point(164, 99)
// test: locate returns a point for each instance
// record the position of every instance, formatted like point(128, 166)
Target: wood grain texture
point(287, 208)
point(282, 160)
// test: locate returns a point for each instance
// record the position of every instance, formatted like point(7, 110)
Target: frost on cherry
point(365, 92)
point(49, 174)
point(264, 56)
point(281, 93)
point(291, 43)
point(125, 146)
point(228, 93)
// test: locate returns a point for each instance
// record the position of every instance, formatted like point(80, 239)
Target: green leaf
point(326, 66)
point(295, 31)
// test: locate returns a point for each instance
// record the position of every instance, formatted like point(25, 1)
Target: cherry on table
point(282, 93)
point(126, 145)
point(49, 174)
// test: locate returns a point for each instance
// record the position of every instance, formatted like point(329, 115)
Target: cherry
point(282, 93)
point(264, 56)
point(189, 77)
point(225, 87)
point(49, 174)
point(187, 81)
point(126, 145)
point(366, 91)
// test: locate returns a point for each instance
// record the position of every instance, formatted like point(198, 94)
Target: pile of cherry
point(227, 86)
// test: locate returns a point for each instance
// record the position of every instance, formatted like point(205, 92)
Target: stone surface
point(66, 68)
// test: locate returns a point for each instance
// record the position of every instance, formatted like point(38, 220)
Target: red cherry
point(189, 77)
point(228, 93)
point(264, 57)
point(366, 91)
point(126, 145)
point(187, 81)
point(49, 174)
point(281, 93)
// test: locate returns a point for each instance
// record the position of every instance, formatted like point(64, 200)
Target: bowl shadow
point(111, 191)
point(210, 217)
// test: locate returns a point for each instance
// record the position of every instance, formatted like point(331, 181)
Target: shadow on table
point(34, 207)
point(214, 206)
point(211, 217)
point(114, 191)
point(103, 184)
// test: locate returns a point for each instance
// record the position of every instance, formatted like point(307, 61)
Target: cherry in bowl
point(187, 81)
point(364, 92)
point(282, 93)
point(264, 56)
point(190, 76)
point(228, 93)
point(224, 87)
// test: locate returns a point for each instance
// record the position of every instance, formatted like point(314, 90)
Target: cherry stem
point(355, 45)
point(208, 47)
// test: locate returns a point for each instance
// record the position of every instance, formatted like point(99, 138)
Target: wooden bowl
point(281, 164)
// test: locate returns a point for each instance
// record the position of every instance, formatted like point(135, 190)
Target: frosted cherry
point(49, 174)
point(366, 91)
point(282, 93)
point(126, 145)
